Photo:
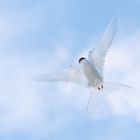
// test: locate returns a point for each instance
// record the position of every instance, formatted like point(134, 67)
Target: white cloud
point(19, 100)
point(25, 103)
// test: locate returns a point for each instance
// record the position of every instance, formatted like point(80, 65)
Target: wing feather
point(97, 55)
point(71, 74)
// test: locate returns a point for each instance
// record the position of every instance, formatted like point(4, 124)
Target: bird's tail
point(108, 88)
point(111, 87)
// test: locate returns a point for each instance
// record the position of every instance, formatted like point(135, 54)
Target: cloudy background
point(37, 37)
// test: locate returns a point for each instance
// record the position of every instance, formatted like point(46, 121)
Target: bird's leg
point(99, 88)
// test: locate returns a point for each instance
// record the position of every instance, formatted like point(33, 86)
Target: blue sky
point(37, 37)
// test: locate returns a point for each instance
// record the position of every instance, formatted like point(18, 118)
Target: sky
point(37, 37)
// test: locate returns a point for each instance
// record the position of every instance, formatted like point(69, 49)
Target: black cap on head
point(82, 58)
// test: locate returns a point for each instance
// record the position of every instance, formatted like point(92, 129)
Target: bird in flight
point(91, 73)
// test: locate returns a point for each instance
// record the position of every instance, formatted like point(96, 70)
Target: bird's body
point(94, 78)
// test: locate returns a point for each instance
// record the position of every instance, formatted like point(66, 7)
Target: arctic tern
point(91, 74)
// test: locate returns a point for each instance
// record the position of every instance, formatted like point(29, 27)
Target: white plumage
point(91, 73)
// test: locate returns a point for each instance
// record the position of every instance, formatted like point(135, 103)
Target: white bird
point(91, 74)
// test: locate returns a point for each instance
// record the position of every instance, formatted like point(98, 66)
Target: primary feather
point(97, 55)
point(71, 74)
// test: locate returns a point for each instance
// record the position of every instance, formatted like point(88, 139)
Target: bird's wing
point(71, 74)
point(97, 55)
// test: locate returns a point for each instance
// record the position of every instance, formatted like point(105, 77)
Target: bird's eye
point(82, 58)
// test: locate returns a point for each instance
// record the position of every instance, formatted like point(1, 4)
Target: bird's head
point(81, 59)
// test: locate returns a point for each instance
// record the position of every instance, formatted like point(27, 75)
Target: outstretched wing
point(71, 74)
point(97, 55)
